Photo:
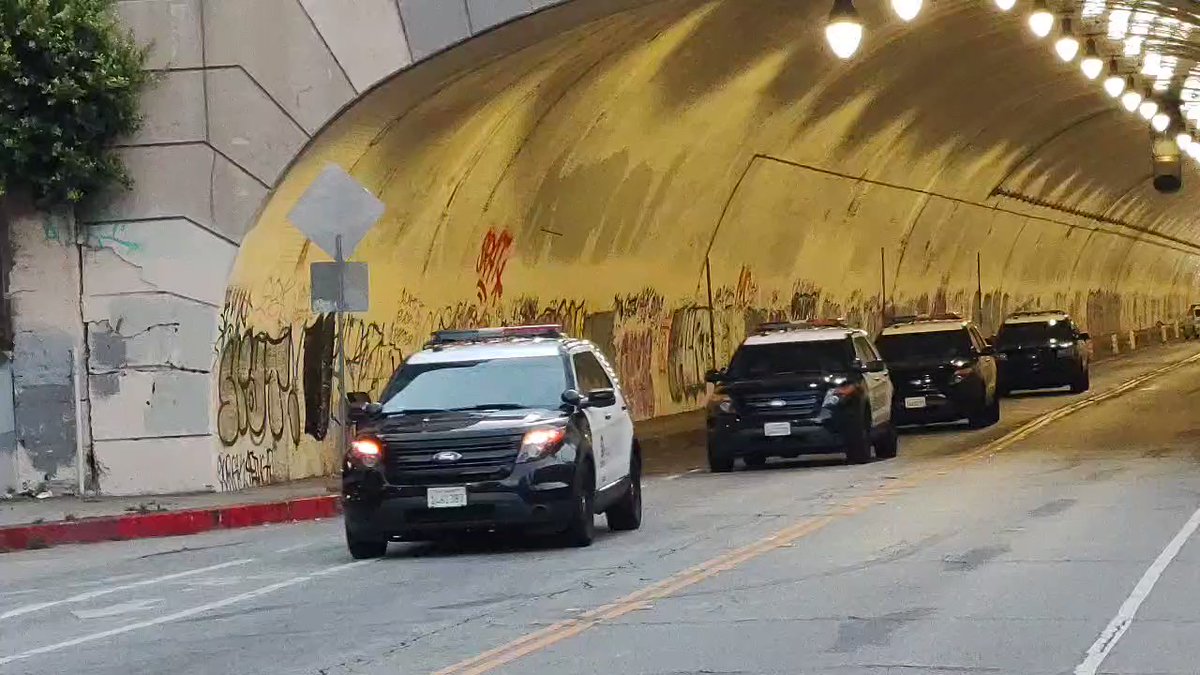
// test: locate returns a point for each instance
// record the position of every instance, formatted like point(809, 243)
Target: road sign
point(355, 295)
point(336, 204)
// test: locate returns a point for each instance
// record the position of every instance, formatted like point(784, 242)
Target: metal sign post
point(335, 213)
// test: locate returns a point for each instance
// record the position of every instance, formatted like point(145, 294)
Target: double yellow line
point(641, 599)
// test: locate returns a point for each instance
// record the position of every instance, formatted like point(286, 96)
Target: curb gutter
point(165, 524)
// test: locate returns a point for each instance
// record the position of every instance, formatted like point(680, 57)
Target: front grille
point(783, 404)
point(465, 514)
point(410, 458)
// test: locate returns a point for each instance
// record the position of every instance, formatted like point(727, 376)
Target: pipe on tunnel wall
point(658, 183)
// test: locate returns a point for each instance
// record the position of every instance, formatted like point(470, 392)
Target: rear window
point(947, 344)
point(762, 360)
point(1039, 331)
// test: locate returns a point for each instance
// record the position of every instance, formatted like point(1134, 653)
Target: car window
point(526, 382)
point(977, 340)
point(944, 344)
point(779, 358)
point(863, 351)
point(590, 373)
point(1035, 331)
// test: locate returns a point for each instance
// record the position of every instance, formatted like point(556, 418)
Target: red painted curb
point(166, 524)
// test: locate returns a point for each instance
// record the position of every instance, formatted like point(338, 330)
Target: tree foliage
point(70, 77)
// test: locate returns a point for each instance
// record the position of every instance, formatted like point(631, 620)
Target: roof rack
point(443, 337)
point(777, 326)
point(917, 318)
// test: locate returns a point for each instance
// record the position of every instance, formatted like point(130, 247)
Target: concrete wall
point(597, 164)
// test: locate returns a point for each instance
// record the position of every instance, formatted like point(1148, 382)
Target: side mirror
point(714, 376)
point(361, 406)
point(1085, 337)
point(573, 398)
point(601, 398)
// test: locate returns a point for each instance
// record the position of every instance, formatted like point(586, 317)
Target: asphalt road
point(1015, 549)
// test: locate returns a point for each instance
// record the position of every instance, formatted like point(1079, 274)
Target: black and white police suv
point(518, 428)
point(1043, 350)
point(801, 388)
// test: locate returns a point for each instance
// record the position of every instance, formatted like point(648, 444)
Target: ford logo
point(778, 403)
point(448, 456)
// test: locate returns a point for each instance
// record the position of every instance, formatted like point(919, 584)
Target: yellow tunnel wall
point(613, 172)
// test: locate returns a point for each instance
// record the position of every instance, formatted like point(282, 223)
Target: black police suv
point(495, 429)
point(1042, 350)
point(943, 371)
point(801, 388)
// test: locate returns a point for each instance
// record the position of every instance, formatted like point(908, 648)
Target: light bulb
point(1067, 47)
point(1131, 100)
point(1183, 139)
point(907, 10)
point(1160, 122)
point(844, 32)
point(1147, 108)
point(1114, 85)
point(1092, 64)
point(1041, 21)
point(1006, 5)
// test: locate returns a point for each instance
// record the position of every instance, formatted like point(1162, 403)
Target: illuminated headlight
point(1001, 356)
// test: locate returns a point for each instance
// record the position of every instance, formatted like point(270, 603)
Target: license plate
point(777, 429)
point(914, 402)
point(446, 498)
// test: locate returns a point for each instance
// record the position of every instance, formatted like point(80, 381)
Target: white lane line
point(83, 597)
point(297, 547)
point(184, 614)
point(1124, 618)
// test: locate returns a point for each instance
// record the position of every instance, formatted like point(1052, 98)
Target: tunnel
point(661, 176)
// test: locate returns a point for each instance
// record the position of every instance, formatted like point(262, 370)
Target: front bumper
point(741, 436)
point(531, 499)
point(948, 405)
point(1038, 373)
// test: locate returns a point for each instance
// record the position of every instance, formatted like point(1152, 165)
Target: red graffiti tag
point(493, 258)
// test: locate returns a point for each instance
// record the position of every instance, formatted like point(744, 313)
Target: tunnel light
point(1067, 44)
point(844, 32)
point(1041, 21)
point(1092, 65)
point(1160, 122)
point(1006, 5)
point(1131, 99)
point(1148, 108)
point(1114, 84)
point(907, 10)
point(1184, 140)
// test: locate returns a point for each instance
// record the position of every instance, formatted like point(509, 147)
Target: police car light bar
point(478, 334)
point(1037, 312)
point(779, 325)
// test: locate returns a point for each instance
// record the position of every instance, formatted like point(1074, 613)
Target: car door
point(590, 376)
point(619, 442)
point(987, 361)
point(879, 384)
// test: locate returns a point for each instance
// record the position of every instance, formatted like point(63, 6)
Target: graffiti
point(493, 258)
point(111, 236)
point(257, 389)
point(688, 353)
point(741, 295)
point(252, 469)
point(645, 305)
point(635, 350)
point(373, 352)
point(318, 376)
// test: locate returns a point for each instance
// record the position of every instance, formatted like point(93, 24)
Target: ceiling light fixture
point(844, 31)
point(1148, 107)
point(1160, 122)
point(907, 10)
point(1131, 99)
point(1114, 84)
point(1067, 45)
point(1092, 65)
point(1041, 21)
point(1006, 5)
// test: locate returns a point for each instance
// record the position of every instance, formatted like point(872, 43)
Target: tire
point(626, 515)
point(858, 445)
point(755, 460)
point(720, 460)
point(365, 549)
point(1082, 383)
point(581, 529)
point(888, 444)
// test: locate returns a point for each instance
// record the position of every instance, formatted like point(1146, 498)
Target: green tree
point(70, 77)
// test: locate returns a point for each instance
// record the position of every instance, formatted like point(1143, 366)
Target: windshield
point(948, 344)
point(526, 382)
point(1027, 333)
point(761, 360)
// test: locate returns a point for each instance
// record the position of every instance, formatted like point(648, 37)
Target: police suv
point(801, 388)
point(1043, 350)
point(518, 428)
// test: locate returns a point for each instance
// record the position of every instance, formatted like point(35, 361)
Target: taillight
point(541, 443)
point(366, 452)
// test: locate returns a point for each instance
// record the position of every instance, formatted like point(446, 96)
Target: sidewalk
point(667, 443)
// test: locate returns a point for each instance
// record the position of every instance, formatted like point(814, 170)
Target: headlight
point(541, 443)
point(721, 402)
point(1001, 356)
